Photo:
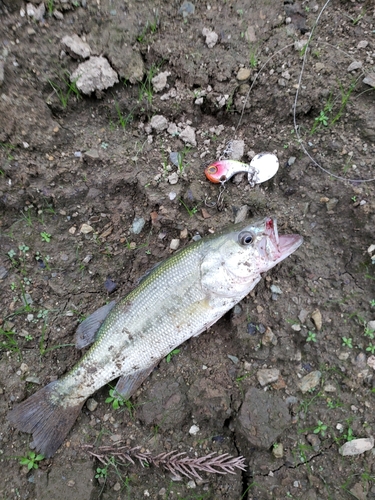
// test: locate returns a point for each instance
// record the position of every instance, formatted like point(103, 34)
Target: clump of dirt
point(96, 189)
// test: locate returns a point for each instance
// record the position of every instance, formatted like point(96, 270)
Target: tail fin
point(46, 417)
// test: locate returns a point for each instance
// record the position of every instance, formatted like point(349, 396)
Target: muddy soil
point(90, 201)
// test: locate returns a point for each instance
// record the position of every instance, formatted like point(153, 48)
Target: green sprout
point(101, 473)
point(46, 236)
point(371, 348)
point(311, 337)
point(115, 399)
point(349, 436)
point(347, 342)
point(171, 354)
point(321, 428)
point(31, 460)
point(372, 302)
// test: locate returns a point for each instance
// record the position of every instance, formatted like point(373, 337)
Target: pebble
point(332, 203)
point(173, 178)
point(137, 225)
point(278, 450)
point(211, 37)
point(362, 44)
point(371, 362)
point(86, 229)
point(194, 429)
point(94, 74)
point(186, 9)
point(1, 73)
point(343, 356)
point(296, 327)
point(357, 446)
point(159, 82)
point(269, 338)
point(117, 486)
point(291, 161)
point(266, 376)
point(309, 381)
point(234, 359)
point(237, 149)
point(191, 485)
point(188, 136)
point(91, 404)
point(302, 316)
point(241, 214)
point(3, 272)
point(361, 361)
point(314, 440)
point(329, 388)
point(369, 79)
point(276, 289)
point(176, 158)
point(243, 74)
point(316, 316)
point(175, 243)
point(36, 13)
point(115, 437)
point(354, 66)
point(252, 329)
point(159, 123)
point(76, 46)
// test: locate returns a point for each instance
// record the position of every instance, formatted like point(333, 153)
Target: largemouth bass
point(179, 299)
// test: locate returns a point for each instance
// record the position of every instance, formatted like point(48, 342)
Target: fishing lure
point(261, 168)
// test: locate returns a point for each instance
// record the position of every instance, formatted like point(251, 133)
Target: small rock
point(211, 37)
point(291, 161)
point(91, 404)
point(357, 446)
point(3, 272)
point(303, 314)
point(76, 46)
point(362, 44)
point(174, 244)
point(110, 285)
point(269, 338)
point(159, 82)
point(117, 486)
point(1, 73)
point(369, 79)
point(94, 74)
point(316, 316)
point(296, 327)
point(354, 66)
point(241, 214)
point(243, 74)
point(234, 359)
point(173, 178)
point(276, 289)
point(194, 429)
point(314, 440)
point(371, 362)
point(361, 361)
point(115, 437)
point(319, 67)
point(191, 485)
point(188, 136)
point(266, 376)
point(159, 123)
point(137, 225)
point(36, 13)
point(237, 149)
point(331, 203)
point(86, 229)
point(186, 9)
point(278, 450)
point(343, 356)
point(329, 388)
point(309, 381)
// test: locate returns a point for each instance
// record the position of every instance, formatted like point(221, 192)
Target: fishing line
point(296, 126)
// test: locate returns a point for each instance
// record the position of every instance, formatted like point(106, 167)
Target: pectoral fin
point(126, 386)
point(86, 332)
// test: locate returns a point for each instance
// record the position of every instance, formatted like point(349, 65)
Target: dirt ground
point(79, 172)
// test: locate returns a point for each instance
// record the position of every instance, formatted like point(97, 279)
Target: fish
point(180, 298)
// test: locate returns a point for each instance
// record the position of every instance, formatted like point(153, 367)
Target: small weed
point(332, 405)
point(321, 428)
point(372, 302)
point(50, 7)
point(150, 28)
point(253, 59)
point(354, 199)
point(117, 400)
point(369, 332)
point(122, 119)
point(347, 342)
point(101, 473)
point(8, 341)
point(322, 119)
point(70, 88)
point(349, 436)
point(31, 460)
point(311, 337)
point(46, 236)
point(190, 211)
point(171, 354)
point(8, 147)
point(371, 348)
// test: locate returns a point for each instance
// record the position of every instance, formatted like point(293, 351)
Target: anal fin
point(126, 386)
point(86, 332)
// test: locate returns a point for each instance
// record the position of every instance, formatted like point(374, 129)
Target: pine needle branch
point(175, 462)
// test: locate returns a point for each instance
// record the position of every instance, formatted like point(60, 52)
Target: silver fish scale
point(167, 308)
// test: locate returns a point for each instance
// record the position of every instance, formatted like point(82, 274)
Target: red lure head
point(223, 170)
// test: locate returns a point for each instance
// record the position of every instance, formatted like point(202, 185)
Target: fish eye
point(212, 169)
point(245, 238)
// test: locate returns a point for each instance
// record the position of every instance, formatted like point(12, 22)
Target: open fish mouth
point(278, 247)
